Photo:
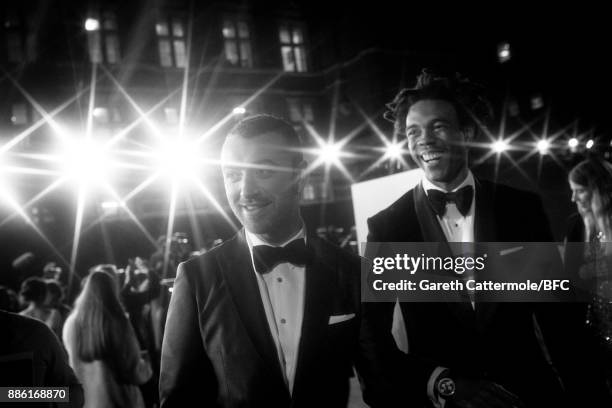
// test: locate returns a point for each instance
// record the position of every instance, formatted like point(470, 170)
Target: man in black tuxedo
point(270, 318)
point(465, 354)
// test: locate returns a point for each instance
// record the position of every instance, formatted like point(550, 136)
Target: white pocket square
point(340, 318)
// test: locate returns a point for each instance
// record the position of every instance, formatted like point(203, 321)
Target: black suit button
point(283, 321)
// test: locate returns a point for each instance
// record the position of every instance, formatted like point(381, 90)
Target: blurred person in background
point(9, 302)
point(140, 287)
point(102, 346)
point(34, 294)
point(179, 250)
point(591, 185)
point(54, 302)
point(31, 356)
point(111, 270)
point(54, 272)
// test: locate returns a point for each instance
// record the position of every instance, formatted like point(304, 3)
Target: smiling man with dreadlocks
point(464, 354)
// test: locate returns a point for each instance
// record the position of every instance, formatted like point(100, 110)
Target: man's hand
point(471, 393)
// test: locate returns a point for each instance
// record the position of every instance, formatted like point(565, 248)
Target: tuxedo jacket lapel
point(485, 225)
point(432, 232)
point(485, 230)
point(428, 221)
point(319, 295)
point(238, 271)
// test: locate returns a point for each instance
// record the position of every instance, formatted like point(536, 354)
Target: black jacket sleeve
point(186, 373)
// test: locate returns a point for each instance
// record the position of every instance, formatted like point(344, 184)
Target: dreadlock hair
point(473, 110)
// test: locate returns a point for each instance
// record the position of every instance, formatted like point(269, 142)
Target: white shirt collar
point(254, 240)
point(468, 181)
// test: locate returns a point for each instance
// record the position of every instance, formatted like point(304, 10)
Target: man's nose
point(248, 185)
point(426, 137)
point(573, 196)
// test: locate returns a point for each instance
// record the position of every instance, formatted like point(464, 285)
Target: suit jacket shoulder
point(210, 258)
point(332, 255)
point(204, 272)
point(397, 222)
point(519, 215)
point(505, 210)
point(345, 267)
point(502, 192)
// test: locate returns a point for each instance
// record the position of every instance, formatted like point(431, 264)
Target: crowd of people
point(273, 317)
point(112, 329)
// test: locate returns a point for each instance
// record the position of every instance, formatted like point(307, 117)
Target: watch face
point(446, 387)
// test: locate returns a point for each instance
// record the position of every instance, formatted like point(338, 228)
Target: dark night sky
point(562, 52)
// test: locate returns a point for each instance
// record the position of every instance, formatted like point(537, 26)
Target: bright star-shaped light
point(499, 146)
point(177, 159)
point(330, 153)
point(394, 151)
point(85, 162)
point(543, 146)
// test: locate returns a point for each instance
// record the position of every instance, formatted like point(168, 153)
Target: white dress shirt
point(282, 294)
point(456, 228)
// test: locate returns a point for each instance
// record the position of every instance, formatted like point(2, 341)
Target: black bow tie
point(462, 199)
point(267, 257)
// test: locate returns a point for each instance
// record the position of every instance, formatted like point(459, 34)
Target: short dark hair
point(55, 289)
point(34, 290)
point(261, 124)
point(473, 109)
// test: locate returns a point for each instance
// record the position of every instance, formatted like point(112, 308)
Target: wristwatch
point(445, 386)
